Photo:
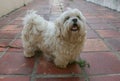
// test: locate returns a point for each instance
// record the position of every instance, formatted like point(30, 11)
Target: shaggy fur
point(62, 40)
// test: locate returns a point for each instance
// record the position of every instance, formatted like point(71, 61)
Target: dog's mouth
point(74, 27)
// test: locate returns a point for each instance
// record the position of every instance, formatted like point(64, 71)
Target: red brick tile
point(17, 46)
point(107, 16)
point(56, 9)
point(48, 67)
point(2, 49)
point(114, 43)
point(91, 34)
point(61, 79)
point(116, 25)
point(8, 34)
point(101, 26)
point(16, 22)
point(15, 49)
point(108, 33)
point(16, 63)
point(11, 28)
point(88, 16)
point(43, 12)
point(102, 63)
point(20, 26)
point(106, 78)
point(115, 20)
point(97, 20)
point(19, 18)
point(95, 45)
point(5, 42)
point(15, 78)
point(87, 27)
point(17, 43)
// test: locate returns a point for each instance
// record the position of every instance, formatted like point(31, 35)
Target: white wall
point(113, 4)
point(7, 6)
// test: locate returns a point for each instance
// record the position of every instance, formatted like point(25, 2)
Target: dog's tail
point(32, 18)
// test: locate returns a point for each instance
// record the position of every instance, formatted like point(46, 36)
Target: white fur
point(55, 39)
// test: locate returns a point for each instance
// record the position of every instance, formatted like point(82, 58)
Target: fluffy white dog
point(62, 40)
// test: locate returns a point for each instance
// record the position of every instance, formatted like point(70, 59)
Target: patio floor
point(102, 47)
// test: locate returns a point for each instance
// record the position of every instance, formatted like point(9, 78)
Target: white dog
point(62, 40)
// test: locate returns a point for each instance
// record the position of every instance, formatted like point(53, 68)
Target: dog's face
point(71, 23)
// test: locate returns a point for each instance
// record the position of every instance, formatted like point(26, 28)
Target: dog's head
point(71, 24)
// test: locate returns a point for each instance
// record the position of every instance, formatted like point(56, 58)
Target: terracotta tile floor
point(101, 51)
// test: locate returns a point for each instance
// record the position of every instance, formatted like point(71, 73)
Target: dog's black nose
point(74, 20)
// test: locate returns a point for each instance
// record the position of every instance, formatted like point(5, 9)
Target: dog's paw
point(28, 54)
point(61, 66)
point(60, 63)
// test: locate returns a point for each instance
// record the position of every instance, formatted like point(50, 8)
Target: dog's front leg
point(61, 62)
point(28, 52)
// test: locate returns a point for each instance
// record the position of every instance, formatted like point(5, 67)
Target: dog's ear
point(81, 15)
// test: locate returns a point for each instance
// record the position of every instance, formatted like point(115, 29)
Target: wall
point(113, 4)
point(7, 6)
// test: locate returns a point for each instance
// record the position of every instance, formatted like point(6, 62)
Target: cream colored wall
point(7, 6)
point(113, 4)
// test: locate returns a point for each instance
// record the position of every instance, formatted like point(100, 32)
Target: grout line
point(85, 74)
point(101, 75)
point(2, 54)
point(33, 75)
point(58, 75)
point(13, 75)
point(93, 51)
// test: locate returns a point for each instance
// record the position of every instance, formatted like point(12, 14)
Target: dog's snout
point(74, 20)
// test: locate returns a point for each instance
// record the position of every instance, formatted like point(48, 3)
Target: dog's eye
point(78, 17)
point(67, 18)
